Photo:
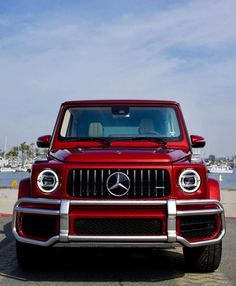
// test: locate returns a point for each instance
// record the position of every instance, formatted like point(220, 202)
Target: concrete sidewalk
point(8, 198)
point(228, 199)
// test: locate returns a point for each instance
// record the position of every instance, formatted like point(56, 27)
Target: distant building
point(3, 162)
point(212, 158)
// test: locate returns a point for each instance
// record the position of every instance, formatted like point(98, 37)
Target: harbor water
point(12, 179)
point(227, 181)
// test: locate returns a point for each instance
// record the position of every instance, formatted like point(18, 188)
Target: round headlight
point(189, 181)
point(47, 181)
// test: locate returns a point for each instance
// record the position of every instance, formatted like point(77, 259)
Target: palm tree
point(24, 148)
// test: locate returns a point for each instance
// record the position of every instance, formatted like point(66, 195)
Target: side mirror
point(44, 141)
point(197, 141)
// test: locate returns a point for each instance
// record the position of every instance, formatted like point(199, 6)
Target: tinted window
point(121, 122)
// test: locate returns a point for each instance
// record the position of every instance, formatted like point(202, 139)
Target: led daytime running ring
point(188, 188)
point(47, 174)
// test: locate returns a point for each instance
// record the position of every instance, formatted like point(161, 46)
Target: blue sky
point(53, 51)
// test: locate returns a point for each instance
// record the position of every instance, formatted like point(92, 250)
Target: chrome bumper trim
point(36, 211)
point(117, 244)
point(120, 241)
point(114, 238)
point(118, 203)
point(64, 220)
point(199, 212)
point(171, 221)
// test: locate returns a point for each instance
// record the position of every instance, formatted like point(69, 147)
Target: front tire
point(30, 256)
point(203, 258)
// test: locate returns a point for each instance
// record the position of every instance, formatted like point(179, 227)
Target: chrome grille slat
point(141, 182)
point(163, 179)
point(87, 184)
point(73, 186)
point(144, 183)
point(155, 181)
point(102, 183)
point(80, 182)
point(149, 184)
point(94, 183)
point(134, 182)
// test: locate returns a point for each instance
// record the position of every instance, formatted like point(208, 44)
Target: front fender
point(213, 189)
point(24, 188)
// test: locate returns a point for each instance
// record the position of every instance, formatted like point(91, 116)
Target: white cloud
point(54, 59)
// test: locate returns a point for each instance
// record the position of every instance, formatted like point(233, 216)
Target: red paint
point(127, 154)
point(213, 189)
point(24, 188)
point(5, 215)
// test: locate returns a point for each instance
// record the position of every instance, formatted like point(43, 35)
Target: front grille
point(197, 227)
point(144, 183)
point(118, 226)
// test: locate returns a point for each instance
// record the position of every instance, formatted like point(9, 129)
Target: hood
point(119, 155)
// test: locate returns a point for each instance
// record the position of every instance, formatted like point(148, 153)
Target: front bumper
point(187, 208)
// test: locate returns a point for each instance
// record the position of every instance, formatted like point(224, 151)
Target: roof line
point(119, 101)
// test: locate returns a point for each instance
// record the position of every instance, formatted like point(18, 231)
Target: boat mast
point(5, 148)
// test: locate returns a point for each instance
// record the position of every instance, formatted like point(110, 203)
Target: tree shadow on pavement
point(5, 231)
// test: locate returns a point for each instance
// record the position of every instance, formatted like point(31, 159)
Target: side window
point(65, 124)
point(173, 126)
point(69, 125)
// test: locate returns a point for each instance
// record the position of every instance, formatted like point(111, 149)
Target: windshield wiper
point(104, 141)
point(152, 139)
point(107, 142)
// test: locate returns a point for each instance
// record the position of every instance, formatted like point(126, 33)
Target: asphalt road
point(163, 267)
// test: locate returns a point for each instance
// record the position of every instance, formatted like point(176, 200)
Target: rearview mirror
point(197, 141)
point(44, 141)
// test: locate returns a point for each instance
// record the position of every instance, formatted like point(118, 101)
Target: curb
point(5, 215)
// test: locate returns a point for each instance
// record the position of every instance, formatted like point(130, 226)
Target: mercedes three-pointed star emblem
point(118, 184)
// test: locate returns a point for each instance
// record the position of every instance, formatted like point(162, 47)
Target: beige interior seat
point(95, 129)
point(146, 126)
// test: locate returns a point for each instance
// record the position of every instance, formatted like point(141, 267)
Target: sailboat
point(220, 169)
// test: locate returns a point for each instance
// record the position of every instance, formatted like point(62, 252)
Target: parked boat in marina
point(7, 170)
point(13, 169)
point(220, 169)
point(21, 169)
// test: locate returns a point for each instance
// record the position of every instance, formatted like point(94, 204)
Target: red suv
point(120, 173)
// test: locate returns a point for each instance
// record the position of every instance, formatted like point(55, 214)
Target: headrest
point(95, 129)
point(146, 125)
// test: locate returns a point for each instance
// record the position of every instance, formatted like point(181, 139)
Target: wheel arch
point(213, 189)
point(24, 188)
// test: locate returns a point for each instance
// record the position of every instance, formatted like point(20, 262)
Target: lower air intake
point(118, 226)
point(197, 227)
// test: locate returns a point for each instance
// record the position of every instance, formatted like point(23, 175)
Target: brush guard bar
point(138, 241)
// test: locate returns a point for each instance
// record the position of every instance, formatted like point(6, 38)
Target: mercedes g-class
point(120, 173)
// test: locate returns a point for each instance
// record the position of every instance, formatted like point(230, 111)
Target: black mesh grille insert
point(144, 183)
point(197, 227)
point(118, 226)
point(39, 226)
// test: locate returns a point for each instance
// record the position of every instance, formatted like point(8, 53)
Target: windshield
point(120, 122)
